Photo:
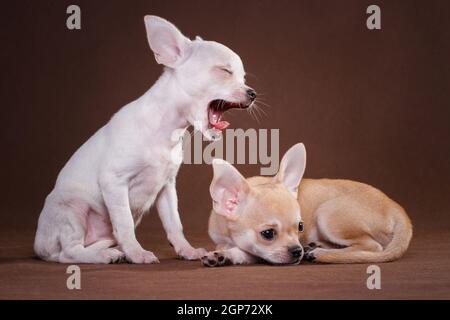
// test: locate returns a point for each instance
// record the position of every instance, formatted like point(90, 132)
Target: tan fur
point(344, 221)
point(342, 213)
point(275, 204)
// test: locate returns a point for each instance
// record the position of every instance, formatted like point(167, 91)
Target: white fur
point(105, 188)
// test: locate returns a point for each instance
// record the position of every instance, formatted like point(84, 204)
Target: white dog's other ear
point(292, 168)
point(168, 44)
point(228, 189)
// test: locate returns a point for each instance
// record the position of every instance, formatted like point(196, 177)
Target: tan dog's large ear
point(228, 189)
point(292, 168)
point(168, 44)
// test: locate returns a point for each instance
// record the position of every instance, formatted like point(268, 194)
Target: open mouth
point(217, 108)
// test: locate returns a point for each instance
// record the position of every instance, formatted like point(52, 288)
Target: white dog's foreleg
point(115, 195)
point(167, 205)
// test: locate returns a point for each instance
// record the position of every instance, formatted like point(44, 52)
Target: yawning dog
point(109, 183)
point(275, 218)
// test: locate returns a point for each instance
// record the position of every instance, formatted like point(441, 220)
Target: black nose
point(251, 94)
point(295, 251)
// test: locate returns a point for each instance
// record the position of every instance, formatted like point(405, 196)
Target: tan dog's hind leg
point(366, 233)
point(360, 251)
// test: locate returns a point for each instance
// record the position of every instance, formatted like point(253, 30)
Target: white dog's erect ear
point(228, 189)
point(292, 168)
point(198, 38)
point(168, 44)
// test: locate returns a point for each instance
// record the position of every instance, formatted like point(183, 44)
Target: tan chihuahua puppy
point(274, 218)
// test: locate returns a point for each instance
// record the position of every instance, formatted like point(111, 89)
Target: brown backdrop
point(369, 105)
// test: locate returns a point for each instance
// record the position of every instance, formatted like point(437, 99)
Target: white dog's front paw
point(141, 256)
point(190, 253)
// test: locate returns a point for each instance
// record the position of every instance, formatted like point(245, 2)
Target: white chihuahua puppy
point(114, 178)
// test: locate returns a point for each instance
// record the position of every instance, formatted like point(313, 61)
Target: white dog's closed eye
point(226, 70)
point(105, 188)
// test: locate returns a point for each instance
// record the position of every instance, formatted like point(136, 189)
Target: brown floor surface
point(423, 273)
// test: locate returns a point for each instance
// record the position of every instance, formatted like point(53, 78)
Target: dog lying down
point(284, 219)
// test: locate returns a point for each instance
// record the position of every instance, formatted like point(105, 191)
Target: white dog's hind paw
point(141, 256)
point(112, 255)
point(190, 253)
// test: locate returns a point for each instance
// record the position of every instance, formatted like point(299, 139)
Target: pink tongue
point(214, 120)
point(221, 125)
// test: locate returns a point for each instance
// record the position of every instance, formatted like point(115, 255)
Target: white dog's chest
point(146, 185)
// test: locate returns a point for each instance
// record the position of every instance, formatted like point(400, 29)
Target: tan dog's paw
point(309, 252)
point(309, 256)
point(214, 259)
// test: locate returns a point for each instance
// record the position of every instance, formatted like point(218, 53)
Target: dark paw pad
point(213, 259)
point(121, 259)
point(310, 257)
point(309, 254)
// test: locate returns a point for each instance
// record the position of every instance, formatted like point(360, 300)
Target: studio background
point(370, 106)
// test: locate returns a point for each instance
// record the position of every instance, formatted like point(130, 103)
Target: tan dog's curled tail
point(401, 237)
point(400, 240)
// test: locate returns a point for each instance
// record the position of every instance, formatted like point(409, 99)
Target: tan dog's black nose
point(251, 94)
point(295, 251)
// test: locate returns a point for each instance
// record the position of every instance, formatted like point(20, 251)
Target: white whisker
point(263, 103)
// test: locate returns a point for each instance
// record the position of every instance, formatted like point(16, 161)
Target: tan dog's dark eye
point(300, 227)
point(268, 234)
